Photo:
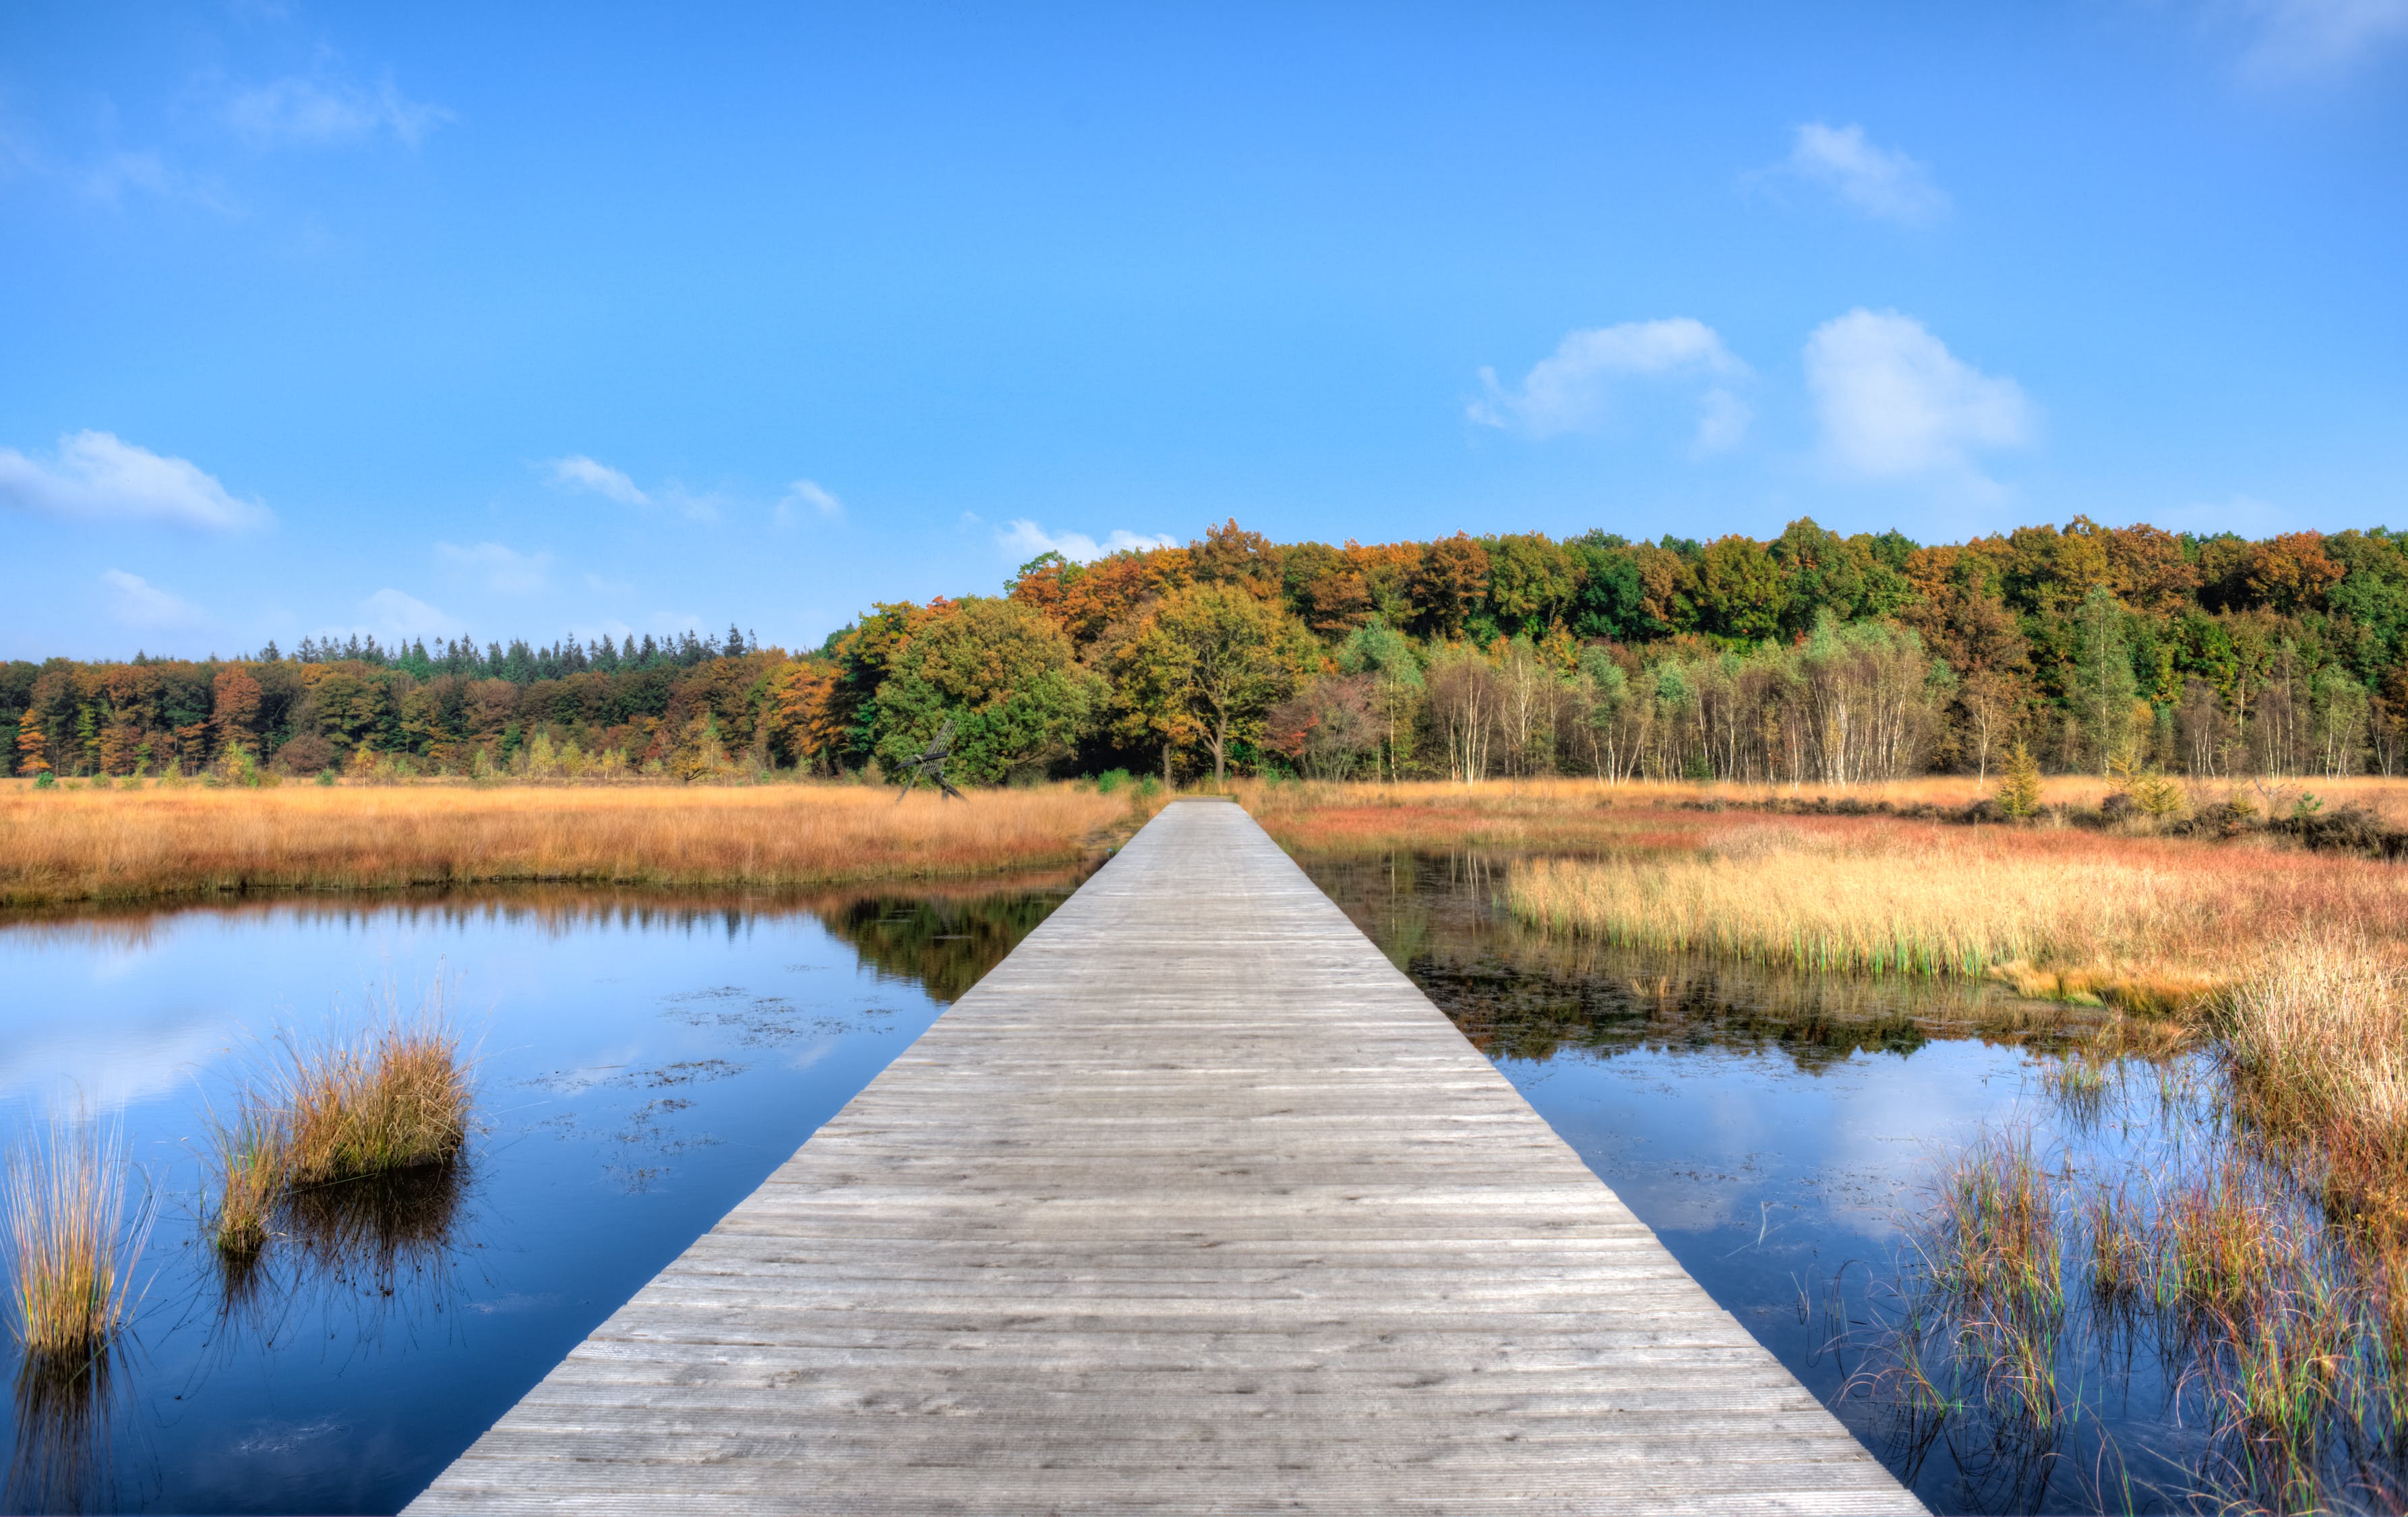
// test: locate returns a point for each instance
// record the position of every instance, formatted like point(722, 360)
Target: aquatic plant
point(73, 1236)
point(248, 1158)
point(2316, 1037)
point(393, 1096)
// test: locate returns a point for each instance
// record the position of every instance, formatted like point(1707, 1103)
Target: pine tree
point(2019, 787)
point(32, 749)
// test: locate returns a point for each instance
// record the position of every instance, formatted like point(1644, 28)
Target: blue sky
point(518, 321)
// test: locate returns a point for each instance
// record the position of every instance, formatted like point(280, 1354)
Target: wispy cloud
point(1573, 389)
point(135, 602)
point(108, 178)
point(1895, 403)
point(582, 473)
point(1024, 540)
point(806, 495)
point(2297, 40)
point(323, 110)
point(391, 613)
point(503, 570)
point(93, 477)
point(1879, 182)
point(579, 472)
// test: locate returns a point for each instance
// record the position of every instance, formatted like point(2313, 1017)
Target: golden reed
point(62, 845)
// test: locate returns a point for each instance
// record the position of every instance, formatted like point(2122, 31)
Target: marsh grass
point(334, 1137)
point(141, 844)
point(2150, 927)
point(2038, 1281)
point(73, 1236)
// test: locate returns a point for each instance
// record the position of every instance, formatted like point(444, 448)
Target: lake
point(645, 1061)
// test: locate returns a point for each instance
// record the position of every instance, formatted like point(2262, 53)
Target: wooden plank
point(1194, 1204)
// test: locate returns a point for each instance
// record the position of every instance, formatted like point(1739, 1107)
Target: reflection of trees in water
point(946, 944)
point(555, 910)
point(1520, 992)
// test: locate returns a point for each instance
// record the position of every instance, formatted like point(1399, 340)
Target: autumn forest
point(1811, 657)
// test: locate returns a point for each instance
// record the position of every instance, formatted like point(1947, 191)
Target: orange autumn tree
point(32, 749)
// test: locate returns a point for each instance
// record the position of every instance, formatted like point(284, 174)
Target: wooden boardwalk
point(1194, 1204)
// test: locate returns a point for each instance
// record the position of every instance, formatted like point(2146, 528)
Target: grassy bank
point(62, 845)
point(1565, 815)
point(2145, 924)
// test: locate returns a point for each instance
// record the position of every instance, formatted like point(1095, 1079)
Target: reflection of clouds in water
point(110, 1067)
point(811, 1054)
point(1879, 1142)
point(1699, 1139)
point(286, 1437)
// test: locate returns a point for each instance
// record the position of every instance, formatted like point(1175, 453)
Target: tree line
point(1812, 656)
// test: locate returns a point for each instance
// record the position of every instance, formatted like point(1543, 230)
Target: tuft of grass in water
point(2122, 1265)
point(394, 1097)
point(247, 1157)
point(2224, 1238)
point(390, 1094)
point(2316, 1038)
point(72, 1242)
point(388, 1099)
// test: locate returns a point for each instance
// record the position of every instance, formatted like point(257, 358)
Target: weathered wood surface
point(1194, 1204)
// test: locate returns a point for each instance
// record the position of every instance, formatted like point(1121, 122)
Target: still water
point(644, 1062)
point(1778, 1130)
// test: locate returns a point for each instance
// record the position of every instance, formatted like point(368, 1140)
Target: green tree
point(1739, 591)
point(2102, 688)
point(1210, 660)
point(1006, 678)
point(2019, 787)
point(1531, 583)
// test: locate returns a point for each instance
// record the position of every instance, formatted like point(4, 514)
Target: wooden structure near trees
point(1194, 1204)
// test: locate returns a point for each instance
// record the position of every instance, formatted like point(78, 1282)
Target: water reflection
point(646, 1060)
point(1525, 995)
point(61, 1458)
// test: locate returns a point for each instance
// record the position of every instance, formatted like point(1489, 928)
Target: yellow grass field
point(69, 845)
point(2149, 923)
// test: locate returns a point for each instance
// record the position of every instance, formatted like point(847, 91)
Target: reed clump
point(137, 844)
point(393, 1099)
point(73, 1236)
point(2316, 1037)
point(2151, 927)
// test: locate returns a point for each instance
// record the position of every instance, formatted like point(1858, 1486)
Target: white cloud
point(1024, 540)
point(503, 570)
point(805, 494)
point(135, 602)
point(1895, 403)
point(2300, 39)
point(394, 615)
point(1879, 182)
point(1722, 420)
point(1572, 389)
point(93, 477)
point(320, 110)
point(579, 472)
